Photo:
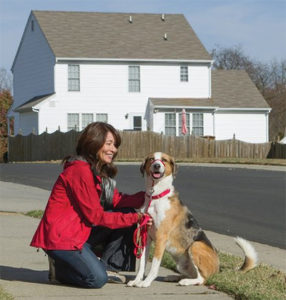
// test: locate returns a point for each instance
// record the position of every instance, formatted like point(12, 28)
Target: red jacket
point(74, 206)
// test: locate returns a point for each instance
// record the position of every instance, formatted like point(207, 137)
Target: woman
point(85, 210)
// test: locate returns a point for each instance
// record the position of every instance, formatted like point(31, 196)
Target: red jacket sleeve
point(123, 200)
point(86, 196)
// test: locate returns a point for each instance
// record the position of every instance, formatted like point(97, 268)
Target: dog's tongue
point(156, 175)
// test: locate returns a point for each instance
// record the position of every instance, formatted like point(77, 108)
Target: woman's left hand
point(150, 221)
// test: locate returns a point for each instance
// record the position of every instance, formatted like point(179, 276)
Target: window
point(73, 78)
point(73, 122)
point(170, 123)
point(184, 74)
point(137, 123)
point(198, 124)
point(134, 79)
point(102, 118)
point(32, 25)
point(86, 119)
point(187, 121)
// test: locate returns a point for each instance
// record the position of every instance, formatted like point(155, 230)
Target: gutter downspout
point(36, 110)
point(214, 113)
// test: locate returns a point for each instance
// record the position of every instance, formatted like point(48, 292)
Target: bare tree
point(270, 79)
point(5, 80)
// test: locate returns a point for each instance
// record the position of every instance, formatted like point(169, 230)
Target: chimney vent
point(163, 17)
point(130, 19)
point(165, 36)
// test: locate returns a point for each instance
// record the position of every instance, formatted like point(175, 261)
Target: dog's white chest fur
point(157, 209)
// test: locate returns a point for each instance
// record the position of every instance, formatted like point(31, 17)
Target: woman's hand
point(150, 220)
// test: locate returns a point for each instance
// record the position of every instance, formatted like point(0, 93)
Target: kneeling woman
point(85, 211)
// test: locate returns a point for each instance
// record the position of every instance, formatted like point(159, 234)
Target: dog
point(176, 230)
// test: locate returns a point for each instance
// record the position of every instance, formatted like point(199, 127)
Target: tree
point(6, 101)
point(5, 80)
point(270, 80)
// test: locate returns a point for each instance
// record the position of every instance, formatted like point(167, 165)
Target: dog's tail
point(251, 257)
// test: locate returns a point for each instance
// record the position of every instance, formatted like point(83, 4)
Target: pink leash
point(140, 236)
point(141, 232)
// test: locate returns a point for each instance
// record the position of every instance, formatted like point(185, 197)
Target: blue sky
point(258, 26)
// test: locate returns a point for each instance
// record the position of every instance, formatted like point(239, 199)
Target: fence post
point(233, 146)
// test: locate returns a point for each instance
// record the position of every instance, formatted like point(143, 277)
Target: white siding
point(33, 70)
point(247, 126)
point(104, 89)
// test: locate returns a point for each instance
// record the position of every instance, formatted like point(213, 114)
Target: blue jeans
point(80, 268)
point(83, 268)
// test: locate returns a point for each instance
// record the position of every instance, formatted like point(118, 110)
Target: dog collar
point(164, 193)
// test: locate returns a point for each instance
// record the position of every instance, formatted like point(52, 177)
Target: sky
point(257, 26)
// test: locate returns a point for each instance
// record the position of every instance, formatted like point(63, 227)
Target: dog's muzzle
point(157, 169)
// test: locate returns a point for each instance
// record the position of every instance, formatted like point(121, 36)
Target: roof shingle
point(112, 36)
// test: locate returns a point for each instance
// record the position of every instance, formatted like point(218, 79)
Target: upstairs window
point(73, 78)
point(134, 78)
point(73, 122)
point(184, 74)
point(198, 124)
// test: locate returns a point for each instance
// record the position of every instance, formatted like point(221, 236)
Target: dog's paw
point(133, 282)
point(189, 281)
point(143, 284)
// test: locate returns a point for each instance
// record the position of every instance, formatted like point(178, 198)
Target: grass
point(4, 295)
point(261, 283)
point(35, 213)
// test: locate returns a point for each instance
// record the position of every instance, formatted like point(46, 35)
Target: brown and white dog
point(176, 230)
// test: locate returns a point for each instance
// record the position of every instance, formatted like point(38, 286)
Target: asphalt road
point(233, 201)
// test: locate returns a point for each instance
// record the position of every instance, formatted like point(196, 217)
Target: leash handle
point(140, 236)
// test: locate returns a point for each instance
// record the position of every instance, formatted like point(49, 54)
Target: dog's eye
point(164, 160)
point(151, 159)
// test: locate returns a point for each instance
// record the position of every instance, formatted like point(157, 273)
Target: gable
point(115, 36)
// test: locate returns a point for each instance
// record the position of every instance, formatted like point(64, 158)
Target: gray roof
point(230, 89)
point(27, 106)
point(111, 35)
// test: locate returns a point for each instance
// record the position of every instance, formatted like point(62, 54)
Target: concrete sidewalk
point(24, 271)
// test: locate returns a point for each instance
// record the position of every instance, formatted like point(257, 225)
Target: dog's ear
point(174, 166)
point(142, 167)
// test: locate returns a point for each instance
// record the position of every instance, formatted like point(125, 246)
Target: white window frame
point(86, 118)
point(134, 84)
point(172, 125)
point(198, 124)
point(184, 73)
point(102, 117)
point(74, 126)
point(73, 78)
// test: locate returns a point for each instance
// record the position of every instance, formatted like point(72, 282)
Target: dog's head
point(158, 165)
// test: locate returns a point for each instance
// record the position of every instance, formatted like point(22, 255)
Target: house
point(135, 71)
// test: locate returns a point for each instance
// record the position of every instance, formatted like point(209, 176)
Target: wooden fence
point(136, 145)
